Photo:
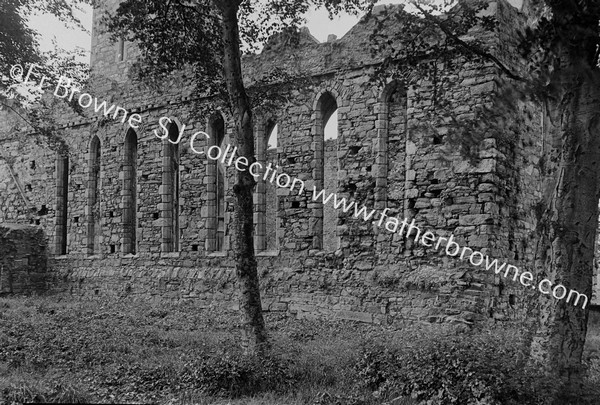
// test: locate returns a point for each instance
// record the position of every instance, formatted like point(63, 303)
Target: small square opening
point(354, 150)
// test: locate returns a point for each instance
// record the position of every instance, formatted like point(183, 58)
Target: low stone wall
point(23, 259)
point(307, 287)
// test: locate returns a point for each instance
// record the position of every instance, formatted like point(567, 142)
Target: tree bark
point(568, 230)
point(243, 239)
point(569, 223)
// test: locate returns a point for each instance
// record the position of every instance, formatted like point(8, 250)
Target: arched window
point(390, 165)
point(170, 191)
point(62, 203)
point(217, 181)
point(130, 193)
point(393, 149)
point(121, 50)
point(272, 202)
point(326, 171)
point(94, 235)
point(272, 134)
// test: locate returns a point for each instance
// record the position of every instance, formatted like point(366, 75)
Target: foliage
point(224, 374)
point(19, 46)
point(137, 351)
point(18, 42)
point(170, 37)
point(125, 350)
point(468, 369)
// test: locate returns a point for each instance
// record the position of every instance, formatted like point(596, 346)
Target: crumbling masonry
point(128, 214)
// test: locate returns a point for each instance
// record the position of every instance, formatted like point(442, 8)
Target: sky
point(50, 28)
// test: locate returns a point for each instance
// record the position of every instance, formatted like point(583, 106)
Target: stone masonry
point(129, 214)
point(23, 259)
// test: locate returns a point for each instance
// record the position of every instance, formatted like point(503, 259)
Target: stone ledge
point(170, 255)
point(217, 254)
point(268, 253)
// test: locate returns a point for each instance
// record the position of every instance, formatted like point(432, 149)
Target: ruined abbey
point(129, 214)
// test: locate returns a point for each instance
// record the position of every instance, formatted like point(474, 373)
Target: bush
point(468, 369)
point(235, 375)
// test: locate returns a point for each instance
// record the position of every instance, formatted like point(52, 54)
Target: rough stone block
point(355, 316)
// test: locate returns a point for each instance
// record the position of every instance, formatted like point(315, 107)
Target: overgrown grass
point(55, 350)
point(108, 351)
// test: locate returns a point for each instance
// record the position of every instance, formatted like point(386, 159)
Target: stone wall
point(324, 262)
point(23, 259)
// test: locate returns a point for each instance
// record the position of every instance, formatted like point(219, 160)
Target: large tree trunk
point(567, 229)
point(571, 172)
point(243, 241)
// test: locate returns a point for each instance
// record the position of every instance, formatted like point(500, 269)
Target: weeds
point(56, 350)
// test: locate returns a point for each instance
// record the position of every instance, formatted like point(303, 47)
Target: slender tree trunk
point(243, 243)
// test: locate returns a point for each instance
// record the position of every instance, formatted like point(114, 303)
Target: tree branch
point(44, 132)
point(469, 47)
point(3, 104)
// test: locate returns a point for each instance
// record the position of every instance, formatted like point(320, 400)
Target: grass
point(58, 350)
point(54, 349)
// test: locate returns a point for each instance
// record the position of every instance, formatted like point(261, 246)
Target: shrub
point(468, 369)
point(235, 375)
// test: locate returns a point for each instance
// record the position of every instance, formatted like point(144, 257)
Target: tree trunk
point(568, 230)
point(568, 225)
point(243, 240)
